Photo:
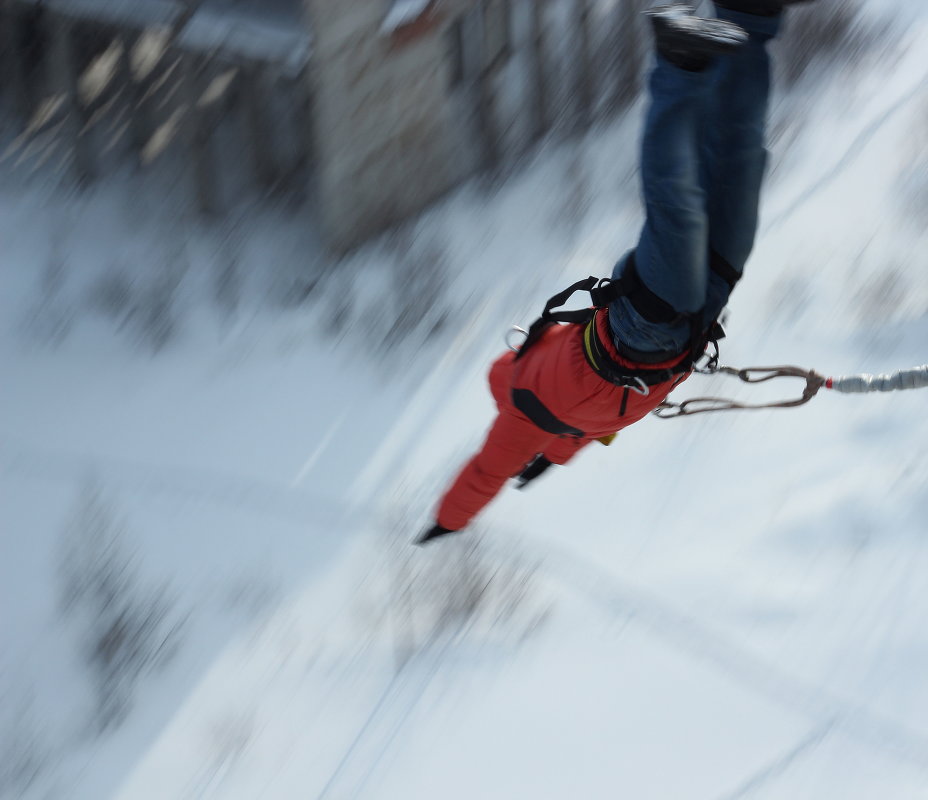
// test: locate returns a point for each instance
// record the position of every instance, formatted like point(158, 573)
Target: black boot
point(433, 533)
point(762, 8)
point(691, 42)
point(534, 468)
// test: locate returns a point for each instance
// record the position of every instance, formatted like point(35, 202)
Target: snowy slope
point(721, 607)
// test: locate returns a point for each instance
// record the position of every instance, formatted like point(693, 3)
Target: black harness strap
point(618, 374)
point(652, 307)
point(601, 291)
point(723, 269)
point(604, 291)
point(528, 403)
point(624, 406)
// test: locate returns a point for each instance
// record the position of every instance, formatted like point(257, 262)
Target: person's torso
point(556, 370)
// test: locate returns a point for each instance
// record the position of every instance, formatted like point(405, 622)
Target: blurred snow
point(403, 12)
point(723, 607)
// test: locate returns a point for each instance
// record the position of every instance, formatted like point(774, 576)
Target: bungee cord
point(914, 378)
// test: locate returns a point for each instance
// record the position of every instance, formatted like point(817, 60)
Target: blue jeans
point(702, 165)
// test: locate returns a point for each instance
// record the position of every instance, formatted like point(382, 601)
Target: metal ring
point(508, 337)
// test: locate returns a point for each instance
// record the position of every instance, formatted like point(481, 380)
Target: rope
point(915, 378)
point(703, 405)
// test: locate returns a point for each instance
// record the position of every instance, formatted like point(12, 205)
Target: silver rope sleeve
point(915, 378)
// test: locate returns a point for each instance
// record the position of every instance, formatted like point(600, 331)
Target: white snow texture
point(731, 606)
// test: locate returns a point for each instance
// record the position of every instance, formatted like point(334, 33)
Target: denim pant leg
point(672, 251)
point(732, 153)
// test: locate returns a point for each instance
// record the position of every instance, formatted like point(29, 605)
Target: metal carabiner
point(711, 367)
point(507, 338)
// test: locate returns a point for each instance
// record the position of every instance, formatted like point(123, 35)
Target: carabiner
point(508, 337)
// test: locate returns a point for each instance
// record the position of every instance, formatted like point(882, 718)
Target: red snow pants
point(556, 371)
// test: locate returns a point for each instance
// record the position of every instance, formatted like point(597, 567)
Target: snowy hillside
point(214, 456)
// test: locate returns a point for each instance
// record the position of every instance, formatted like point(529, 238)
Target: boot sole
point(678, 31)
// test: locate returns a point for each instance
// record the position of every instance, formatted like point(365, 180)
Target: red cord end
point(829, 383)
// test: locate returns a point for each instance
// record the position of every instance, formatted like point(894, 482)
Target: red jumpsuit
point(556, 370)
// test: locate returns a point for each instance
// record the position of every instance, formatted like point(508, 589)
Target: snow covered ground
point(722, 607)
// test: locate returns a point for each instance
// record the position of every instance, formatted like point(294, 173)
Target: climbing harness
point(604, 291)
point(642, 376)
point(914, 378)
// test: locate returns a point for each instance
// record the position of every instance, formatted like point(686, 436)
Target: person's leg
point(671, 256)
point(512, 442)
point(560, 451)
point(733, 157)
point(564, 448)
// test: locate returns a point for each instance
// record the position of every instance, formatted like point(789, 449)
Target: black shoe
point(433, 533)
point(692, 42)
point(762, 8)
point(534, 468)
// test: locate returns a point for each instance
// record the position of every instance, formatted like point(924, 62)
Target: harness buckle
point(711, 366)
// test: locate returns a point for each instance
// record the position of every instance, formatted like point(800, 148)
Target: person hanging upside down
point(702, 166)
